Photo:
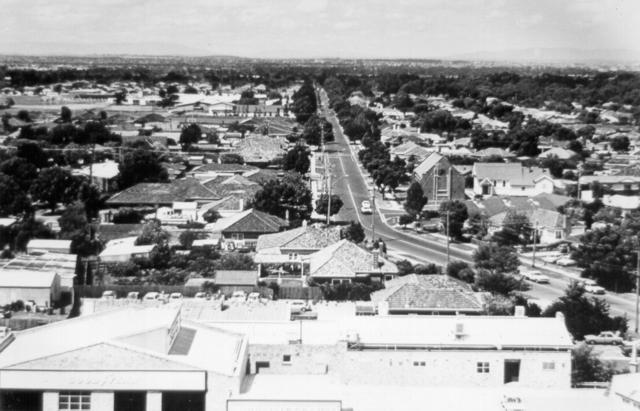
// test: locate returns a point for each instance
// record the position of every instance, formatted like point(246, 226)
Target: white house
point(510, 179)
point(40, 286)
point(559, 152)
point(124, 249)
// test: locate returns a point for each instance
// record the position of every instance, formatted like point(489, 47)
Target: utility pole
point(93, 157)
point(637, 290)
point(373, 215)
point(535, 236)
point(329, 201)
point(448, 253)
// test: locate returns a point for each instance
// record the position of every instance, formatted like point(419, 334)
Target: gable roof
point(346, 259)
point(429, 293)
point(515, 173)
point(103, 356)
point(301, 238)
point(428, 164)
point(186, 189)
point(494, 151)
point(561, 153)
point(223, 168)
point(249, 221)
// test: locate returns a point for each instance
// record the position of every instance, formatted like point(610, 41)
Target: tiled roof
point(551, 201)
point(301, 238)
point(494, 151)
point(236, 277)
point(249, 221)
point(257, 148)
point(226, 168)
point(237, 185)
point(515, 173)
point(561, 153)
point(187, 189)
point(429, 293)
point(346, 259)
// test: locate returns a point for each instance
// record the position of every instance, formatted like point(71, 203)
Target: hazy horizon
point(404, 29)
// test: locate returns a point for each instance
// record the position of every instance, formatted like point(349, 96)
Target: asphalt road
point(349, 183)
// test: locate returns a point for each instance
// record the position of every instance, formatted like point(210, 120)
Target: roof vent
point(460, 330)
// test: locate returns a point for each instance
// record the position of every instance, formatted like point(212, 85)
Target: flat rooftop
point(384, 398)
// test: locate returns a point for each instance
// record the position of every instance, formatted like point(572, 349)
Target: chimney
point(376, 262)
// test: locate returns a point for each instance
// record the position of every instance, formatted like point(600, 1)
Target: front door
point(130, 401)
point(511, 371)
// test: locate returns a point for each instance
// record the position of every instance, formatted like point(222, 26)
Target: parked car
point(133, 295)
point(536, 277)
point(605, 337)
point(151, 296)
point(238, 297)
point(175, 297)
point(109, 295)
point(566, 262)
point(365, 208)
point(550, 259)
point(298, 306)
point(202, 296)
point(253, 298)
point(5, 313)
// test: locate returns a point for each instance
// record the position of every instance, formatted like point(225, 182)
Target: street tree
point(313, 129)
point(583, 314)
point(501, 259)
point(416, 200)
point(322, 204)
point(586, 366)
point(73, 218)
point(498, 282)
point(22, 171)
point(65, 114)
point(152, 233)
point(457, 214)
point(297, 159)
point(620, 143)
point(516, 230)
point(354, 232)
point(405, 219)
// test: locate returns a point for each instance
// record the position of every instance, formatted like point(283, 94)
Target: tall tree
point(457, 212)
point(516, 230)
point(21, 170)
point(297, 159)
point(322, 204)
point(416, 199)
point(289, 194)
point(190, 135)
point(65, 114)
point(141, 166)
point(54, 185)
point(501, 259)
point(354, 232)
point(13, 200)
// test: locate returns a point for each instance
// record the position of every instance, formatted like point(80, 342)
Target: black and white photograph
point(319, 205)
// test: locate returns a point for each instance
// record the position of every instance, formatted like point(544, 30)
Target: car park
point(536, 277)
point(365, 208)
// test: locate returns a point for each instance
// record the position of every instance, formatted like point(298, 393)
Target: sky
point(318, 28)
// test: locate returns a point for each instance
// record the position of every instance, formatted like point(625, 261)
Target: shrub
point(128, 216)
point(454, 268)
point(127, 269)
point(426, 269)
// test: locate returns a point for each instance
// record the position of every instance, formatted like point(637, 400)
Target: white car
point(200, 296)
point(253, 298)
point(565, 261)
point(365, 208)
point(238, 297)
point(536, 277)
point(175, 297)
point(592, 287)
point(151, 296)
point(109, 295)
point(298, 306)
point(133, 295)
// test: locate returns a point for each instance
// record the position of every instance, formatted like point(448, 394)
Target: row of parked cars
point(155, 296)
point(535, 276)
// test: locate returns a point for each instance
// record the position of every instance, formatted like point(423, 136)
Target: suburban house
point(103, 175)
point(242, 230)
point(261, 150)
point(125, 359)
point(236, 280)
point(493, 152)
point(622, 191)
point(63, 265)
point(45, 245)
point(236, 185)
point(42, 287)
point(226, 206)
point(286, 254)
point(163, 194)
point(410, 150)
point(427, 294)
point(345, 262)
point(440, 180)
point(212, 170)
point(558, 152)
point(124, 249)
point(550, 226)
point(510, 179)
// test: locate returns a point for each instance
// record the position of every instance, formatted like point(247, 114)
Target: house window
point(558, 235)
point(74, 400)
point(549, 366)
point(504, 183)
point(419, 363)
point(286, 359)
point(482, 367)
point(237, 236)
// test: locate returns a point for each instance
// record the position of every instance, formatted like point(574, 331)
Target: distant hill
point(89, 49)
point(554, 55)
